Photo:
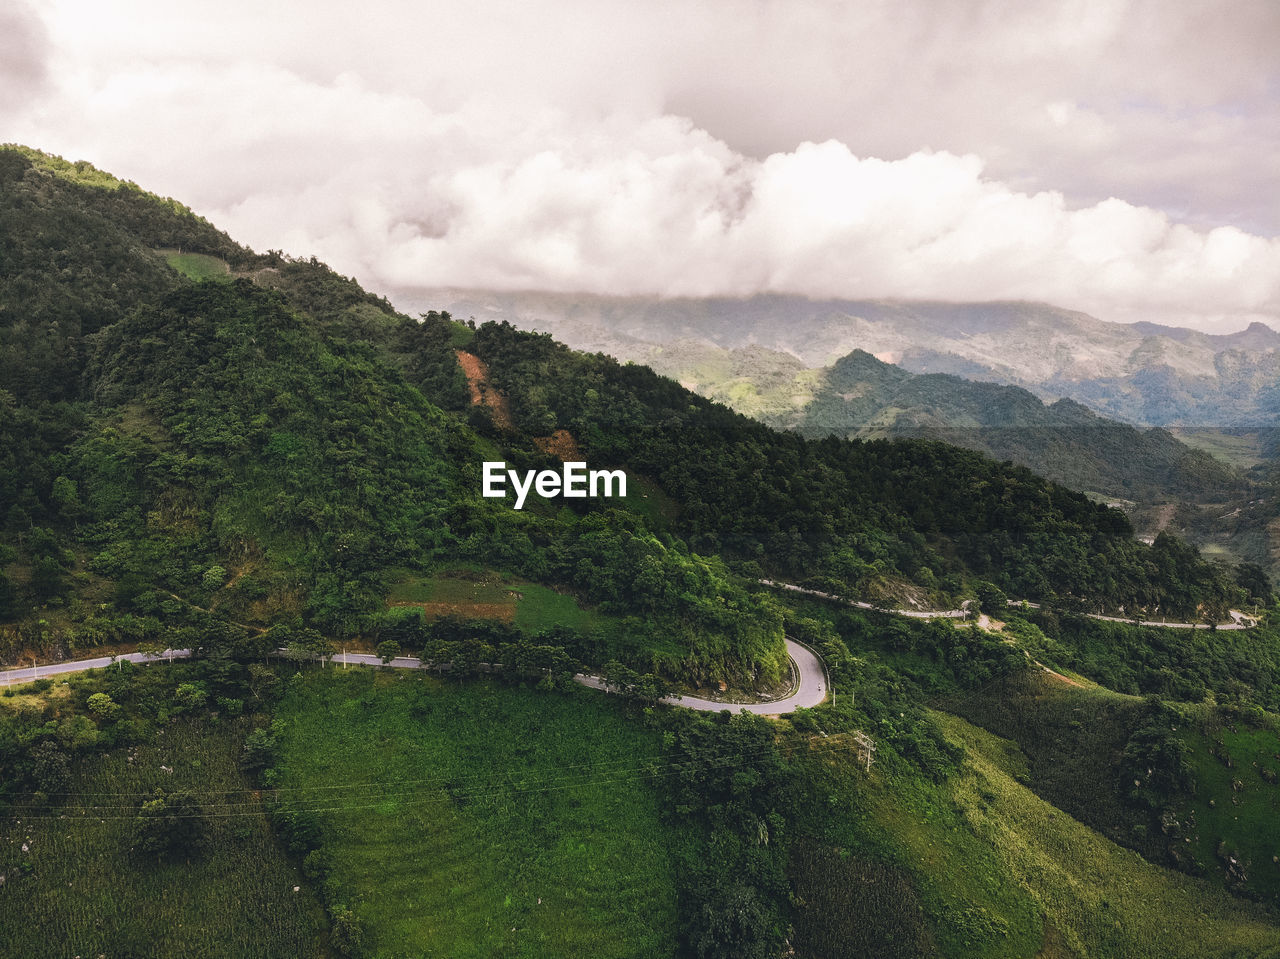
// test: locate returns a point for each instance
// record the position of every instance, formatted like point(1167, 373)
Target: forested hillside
point(1204, 483)
point(234, 453)
point(283, 426)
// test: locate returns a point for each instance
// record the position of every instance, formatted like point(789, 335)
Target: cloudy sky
point(1116, 156)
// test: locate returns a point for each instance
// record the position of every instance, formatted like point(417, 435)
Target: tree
point(388, 650)
point(347, 933)
point(735, 924)
point(262, 680)
point(50, 768)
point(7, 596)
point(46, 579)
point(307, 643)
point(259, 750)
point(102, 706)
point(169, 824)
point(991, 599)
point(67, 498)
point(190, 695)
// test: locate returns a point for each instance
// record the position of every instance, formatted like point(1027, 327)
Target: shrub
point(102, 706)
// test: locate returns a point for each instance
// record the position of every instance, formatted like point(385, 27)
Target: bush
point(102, 706)
point(259, 750)
point(190, 696)
point(348, 933)
point(232, 707)
point(169, 824)
point(991, 599)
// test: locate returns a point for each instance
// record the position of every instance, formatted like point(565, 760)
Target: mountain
point(250, 457)
point(1143, 374)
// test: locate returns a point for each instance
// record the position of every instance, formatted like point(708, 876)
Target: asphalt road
point(1239, 620)
point(810, 688)
point(9, 677)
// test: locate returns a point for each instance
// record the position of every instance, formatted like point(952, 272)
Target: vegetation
point(92, 867)
point(843, 513)
point(481, 819)
point(268, 457)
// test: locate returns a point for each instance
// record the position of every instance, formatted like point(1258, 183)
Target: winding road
point(810, 687)
point(1239, 620)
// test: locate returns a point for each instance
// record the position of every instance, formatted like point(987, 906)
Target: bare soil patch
point(482, 391)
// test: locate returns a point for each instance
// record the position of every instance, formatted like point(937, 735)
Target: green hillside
point(249, 456)
point(752, 356)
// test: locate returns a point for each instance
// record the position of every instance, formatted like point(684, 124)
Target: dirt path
point(1036, 664)
point(253, 629)
point(1066, 679)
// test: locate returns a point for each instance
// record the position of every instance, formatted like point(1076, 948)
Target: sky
point(1113, 156)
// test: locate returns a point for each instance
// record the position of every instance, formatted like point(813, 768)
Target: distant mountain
point(1143, 373)
point(862, 396)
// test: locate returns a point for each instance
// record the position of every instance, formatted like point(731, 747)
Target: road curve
point(810, 688)
point(809, 691)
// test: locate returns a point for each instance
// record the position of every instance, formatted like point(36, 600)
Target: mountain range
point(1143, 374)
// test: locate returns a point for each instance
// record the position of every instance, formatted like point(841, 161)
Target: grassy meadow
point(979, 867)
point(199, 266)
point(1236, 807)
point(481, 819)
point(1100, 899)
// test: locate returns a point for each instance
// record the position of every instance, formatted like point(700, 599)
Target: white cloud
point(968, 150)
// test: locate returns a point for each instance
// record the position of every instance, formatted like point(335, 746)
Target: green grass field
point(482, 819)
point(1241, 449)
point(984, 868)
point(78, 891)
point(1073, 738)
point(199, 266)
point(648, 500)
point(463, 586)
